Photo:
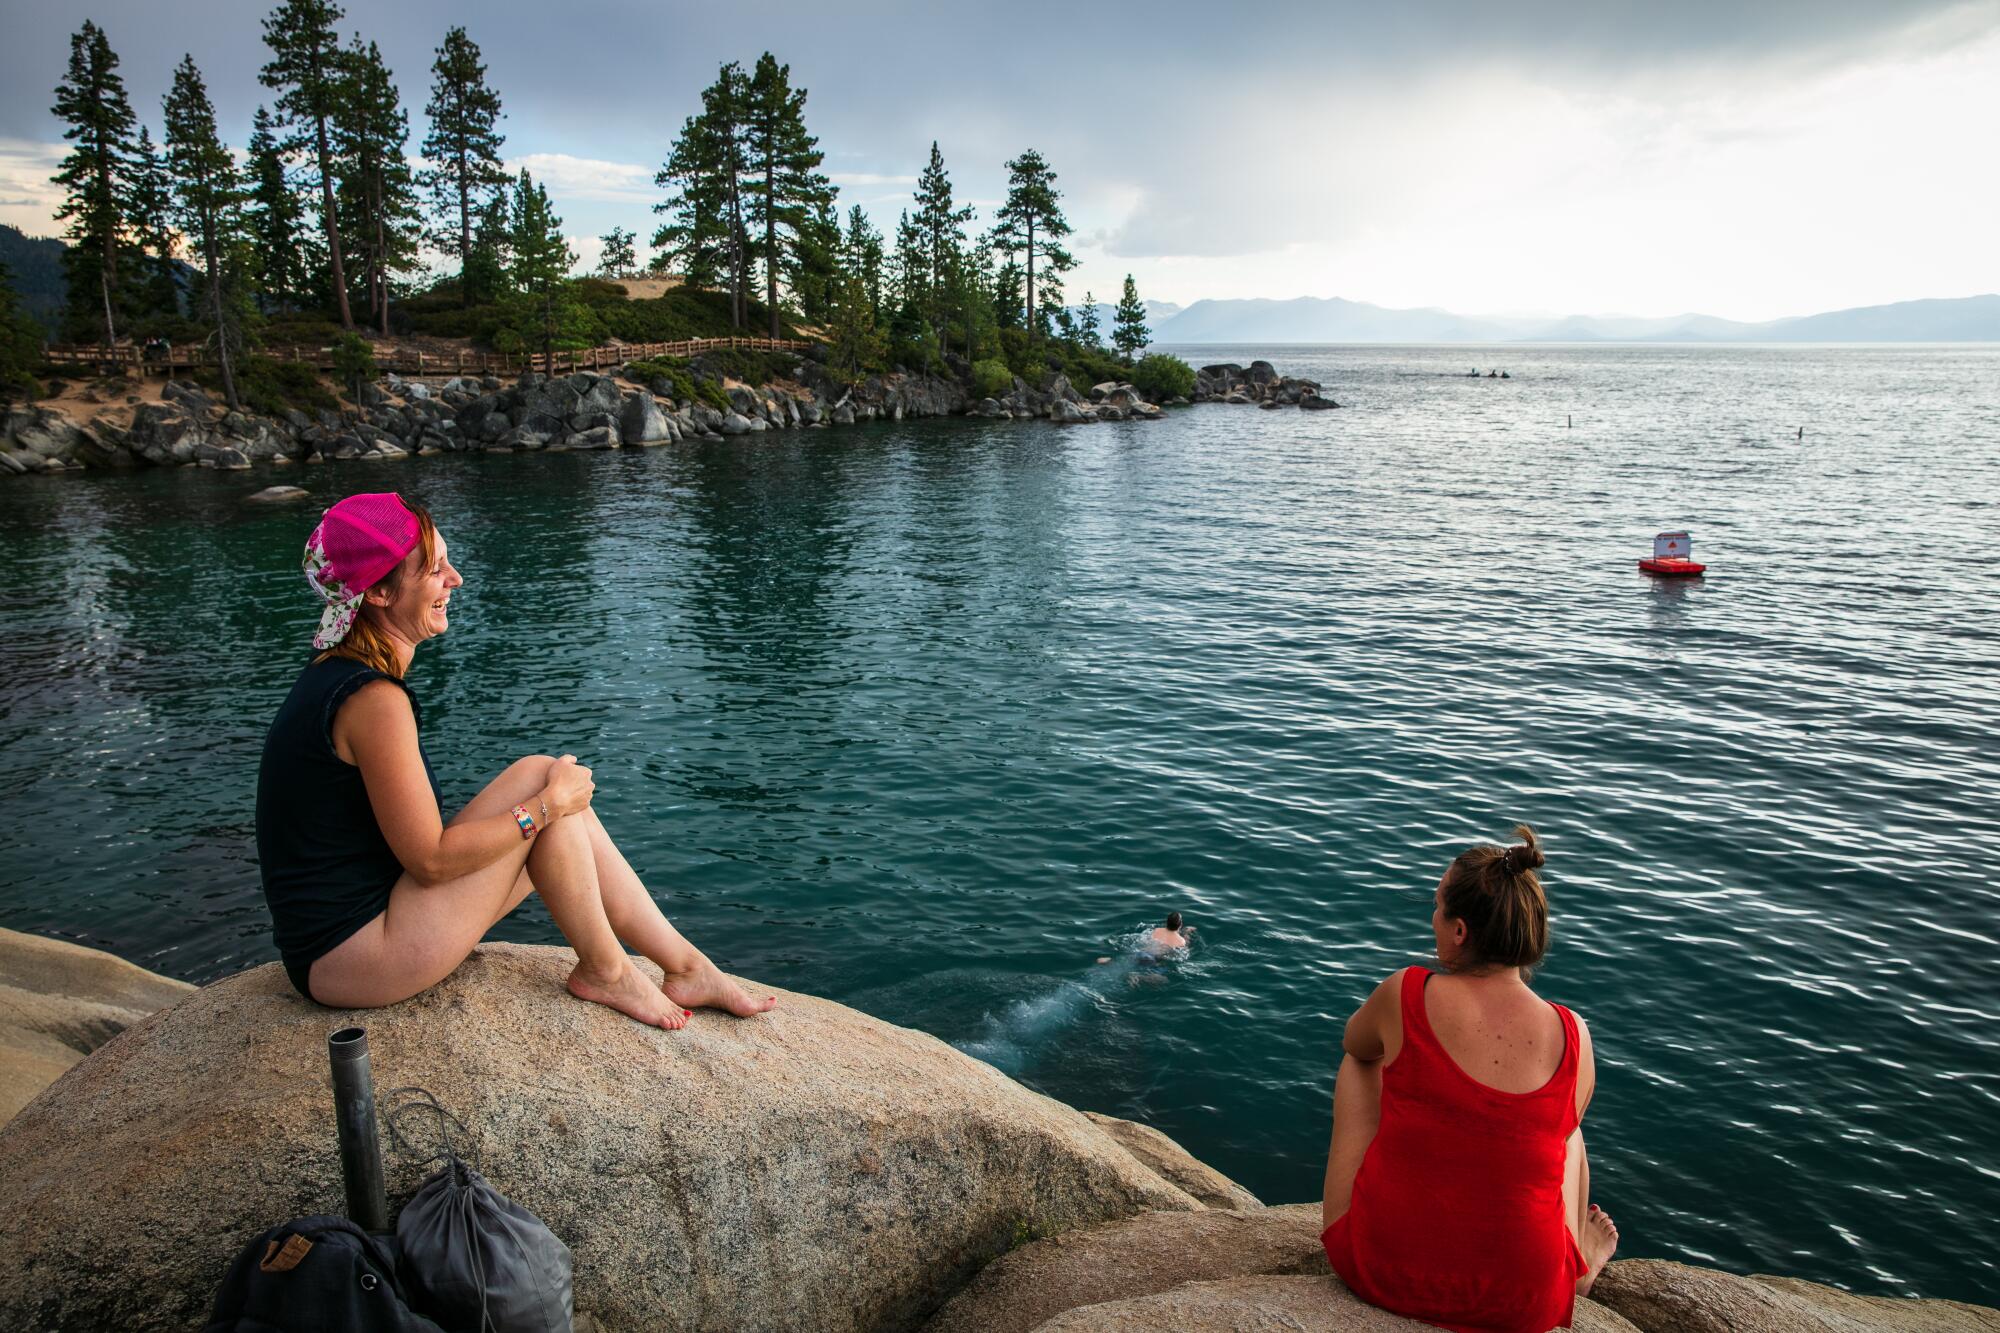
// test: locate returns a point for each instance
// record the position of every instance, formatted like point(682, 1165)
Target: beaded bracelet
point(525, 820)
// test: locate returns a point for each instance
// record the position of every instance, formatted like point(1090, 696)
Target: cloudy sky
point(1744, 158)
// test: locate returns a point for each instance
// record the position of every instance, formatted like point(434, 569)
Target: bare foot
point(704, 987)
point(631, 994)
point(1600, 1241)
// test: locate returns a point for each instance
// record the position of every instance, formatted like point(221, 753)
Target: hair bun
point(1522, 856)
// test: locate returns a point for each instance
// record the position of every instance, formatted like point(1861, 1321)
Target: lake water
point(926, 717)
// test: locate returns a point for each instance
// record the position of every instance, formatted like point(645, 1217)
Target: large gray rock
point(1270, 1305)
point(1138, 1256)
point(811, 1168)
point(1176, 1164)
point(640, 420)
point(61, 1001)
point(735, 423)
point(1663, 1297)
point(165, 434)
point(1312, 402)
point(45, 433)
point(277, 495)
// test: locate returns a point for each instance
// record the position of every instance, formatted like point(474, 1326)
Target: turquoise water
point(927, 717)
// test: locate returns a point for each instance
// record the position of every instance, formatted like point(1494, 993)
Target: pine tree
point(371, 132)
point(1007, 295)
point(541, 258)
point(306, 70)
point(463, 146)
point(208, 200)
point(619, 257)
point(704, 231)
point(815, 263)
point(1128, 326)
point(861, 253)
point(1031, 224)
point(20, 343)
point(147, 218)
point(276, 221)
point(909, 281)
point(95, 176)
point(484, 276)
point(854, 340)
point(1086, 322)
point(782, 183)
point(942, 224)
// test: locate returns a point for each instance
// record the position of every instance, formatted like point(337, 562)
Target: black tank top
point(327, 868)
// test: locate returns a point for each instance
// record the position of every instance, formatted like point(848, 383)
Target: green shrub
point(740, 363)
point(268, 386)
point(353, 361)
point(685, 388)
point(1160, 377)
point(991, 378)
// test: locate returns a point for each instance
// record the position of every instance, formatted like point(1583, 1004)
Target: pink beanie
point(356, 544)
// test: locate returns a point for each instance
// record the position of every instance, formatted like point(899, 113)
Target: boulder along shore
point(187, 427)
point(810, 1169)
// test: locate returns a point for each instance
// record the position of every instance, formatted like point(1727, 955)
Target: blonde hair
point(366, 641)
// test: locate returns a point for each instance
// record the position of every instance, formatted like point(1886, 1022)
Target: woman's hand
point(569, 788)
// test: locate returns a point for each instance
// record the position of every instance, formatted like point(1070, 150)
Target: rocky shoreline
point(400, 417)
point(810, 1169)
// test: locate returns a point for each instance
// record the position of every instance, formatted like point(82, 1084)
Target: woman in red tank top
point(1457, 1190)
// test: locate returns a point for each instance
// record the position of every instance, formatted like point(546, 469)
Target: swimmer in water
point(1162, 941)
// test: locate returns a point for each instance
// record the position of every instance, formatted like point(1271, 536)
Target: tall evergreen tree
point(371, 132)
point(1128, 325)
point(484, 276)
point(1086, 322)
point(540, 258)
point(1007, 295)
point(152, 228)
point(909, 279)
point(815, 263)
point(783, 186)
point(463, 148)
point(619, 257)
point(942, 224)
point(861, 253)
point(1031, 224)
point(95, 176)
point(704, 230)
point(306, 69)
point(276, 220)
point(20, 342)
point(208, 201)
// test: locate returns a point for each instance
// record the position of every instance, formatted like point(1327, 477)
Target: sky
point(1751, 159)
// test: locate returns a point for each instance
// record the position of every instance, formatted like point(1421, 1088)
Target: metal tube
point(354, 1118)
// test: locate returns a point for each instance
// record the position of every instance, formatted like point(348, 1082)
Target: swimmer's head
point(1173, 921)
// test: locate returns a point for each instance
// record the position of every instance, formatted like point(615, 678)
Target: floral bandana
point(341, 605)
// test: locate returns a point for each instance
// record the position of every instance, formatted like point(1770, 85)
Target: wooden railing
point(459, 361)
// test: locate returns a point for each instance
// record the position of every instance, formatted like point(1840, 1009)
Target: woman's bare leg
point(1357, 1114)
point(691, 979)
point(1595, 1233)
point(427, 930)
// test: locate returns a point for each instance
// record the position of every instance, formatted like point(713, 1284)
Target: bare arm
point(1377, 1025)
point(378, 731)
point(1586, 1067)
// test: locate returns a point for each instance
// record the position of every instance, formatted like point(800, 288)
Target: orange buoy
point(1671, 557)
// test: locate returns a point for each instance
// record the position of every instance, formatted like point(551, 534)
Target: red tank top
point(1457, 1212)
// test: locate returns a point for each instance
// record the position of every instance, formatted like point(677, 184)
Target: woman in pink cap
point(374, 895)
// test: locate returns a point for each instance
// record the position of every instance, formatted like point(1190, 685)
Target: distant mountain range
point(1311, 319)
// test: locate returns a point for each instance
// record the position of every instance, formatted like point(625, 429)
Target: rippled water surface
point(927, 717)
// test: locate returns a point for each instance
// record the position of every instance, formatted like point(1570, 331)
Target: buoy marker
point(1672, 557)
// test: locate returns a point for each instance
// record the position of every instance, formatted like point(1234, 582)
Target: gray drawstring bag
point(473, 1259)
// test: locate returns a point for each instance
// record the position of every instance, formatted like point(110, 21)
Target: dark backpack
point(315, 1275)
